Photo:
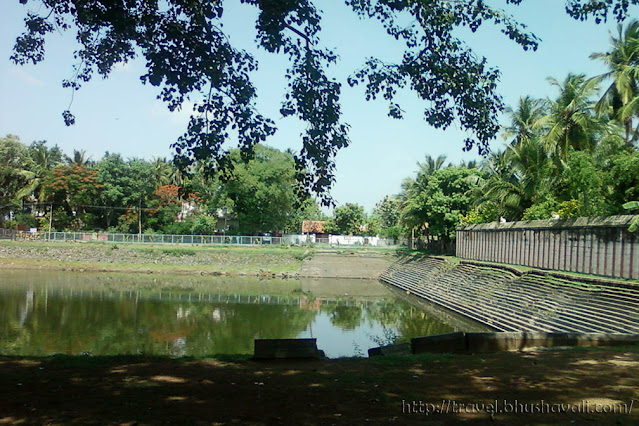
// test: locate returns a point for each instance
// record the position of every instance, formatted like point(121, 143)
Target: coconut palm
point(471, 164)
point(571, 122)
point(621, 98)
point(16, 176)
point(408, 197)
point(79, 158)
point(525, 121)
point(44, 159)
point(516, 178)
point(161, 171)
point(431, 164)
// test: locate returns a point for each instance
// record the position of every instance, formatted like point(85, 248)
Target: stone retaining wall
point(505, 299)
point(499, 342)
point(600, 245)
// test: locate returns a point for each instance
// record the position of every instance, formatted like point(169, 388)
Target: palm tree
point(161, 171)
point(621, 98)
point(431, 164)
point(79, 158)
point(571, 121)
point(409, 192)
point(525, 121)
point(16, 175)
point(471, 164)
point(44, 159)
point(517, 178)
point(176, 177)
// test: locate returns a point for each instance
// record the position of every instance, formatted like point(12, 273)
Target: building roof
point(313, 227)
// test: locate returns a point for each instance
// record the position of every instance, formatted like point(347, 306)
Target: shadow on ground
point(141, 390)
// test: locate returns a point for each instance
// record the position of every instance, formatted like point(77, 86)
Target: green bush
point(394, 232)
point(483, 213)
point(543, 210)
point(179, 228)
point(204, 225)
point(9, 224)
point(570, 209)
point(26, 219)
point(633, 205)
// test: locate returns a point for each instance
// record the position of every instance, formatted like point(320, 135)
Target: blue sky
point(121, 115)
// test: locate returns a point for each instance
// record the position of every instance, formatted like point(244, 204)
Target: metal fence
point(160, 238)
point(601, 246)
point(292, 239)
point(8, 234)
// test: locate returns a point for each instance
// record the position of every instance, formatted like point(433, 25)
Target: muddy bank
point(352, 265)
point(180, 260)
point(262, 261)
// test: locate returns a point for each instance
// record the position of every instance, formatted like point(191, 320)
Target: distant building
point(187, 209)
point(314, 227)
point(226, 221)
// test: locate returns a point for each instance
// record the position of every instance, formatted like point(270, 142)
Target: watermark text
point(449, 406)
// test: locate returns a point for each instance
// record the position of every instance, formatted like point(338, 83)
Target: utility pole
point(50, 221)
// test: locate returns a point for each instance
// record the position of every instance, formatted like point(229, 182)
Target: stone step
point(510, 302)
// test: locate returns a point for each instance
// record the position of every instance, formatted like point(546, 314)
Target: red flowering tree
point(73, 189)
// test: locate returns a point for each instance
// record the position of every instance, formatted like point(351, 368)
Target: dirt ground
point(134, 390)
point(346, 265)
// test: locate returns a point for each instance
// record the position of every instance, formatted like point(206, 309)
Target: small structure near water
point(461, 342)
point(287, 349)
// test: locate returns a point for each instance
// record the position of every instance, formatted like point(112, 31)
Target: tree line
point(189, 55)
point(571, 155)
point(44, 187)
point(47, 189)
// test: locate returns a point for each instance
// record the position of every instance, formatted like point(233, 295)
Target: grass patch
point(179, 252)
point(170, 251)
point(307, 254)
point(142, 390)
point(90, 361)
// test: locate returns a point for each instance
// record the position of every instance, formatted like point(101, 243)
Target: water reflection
point(43, 313)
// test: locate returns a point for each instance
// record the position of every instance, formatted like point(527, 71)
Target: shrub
point(26, 219)
point(543, 210)
point(483, 213)
point(569, 209)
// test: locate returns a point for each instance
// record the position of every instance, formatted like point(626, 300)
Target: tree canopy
point(261, 191)
point(15, 174)
point(188, 55)
point(348, 219)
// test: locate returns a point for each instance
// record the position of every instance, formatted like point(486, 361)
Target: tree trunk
point(108, 218)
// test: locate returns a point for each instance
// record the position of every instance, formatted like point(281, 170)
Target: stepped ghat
point(506, 299)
